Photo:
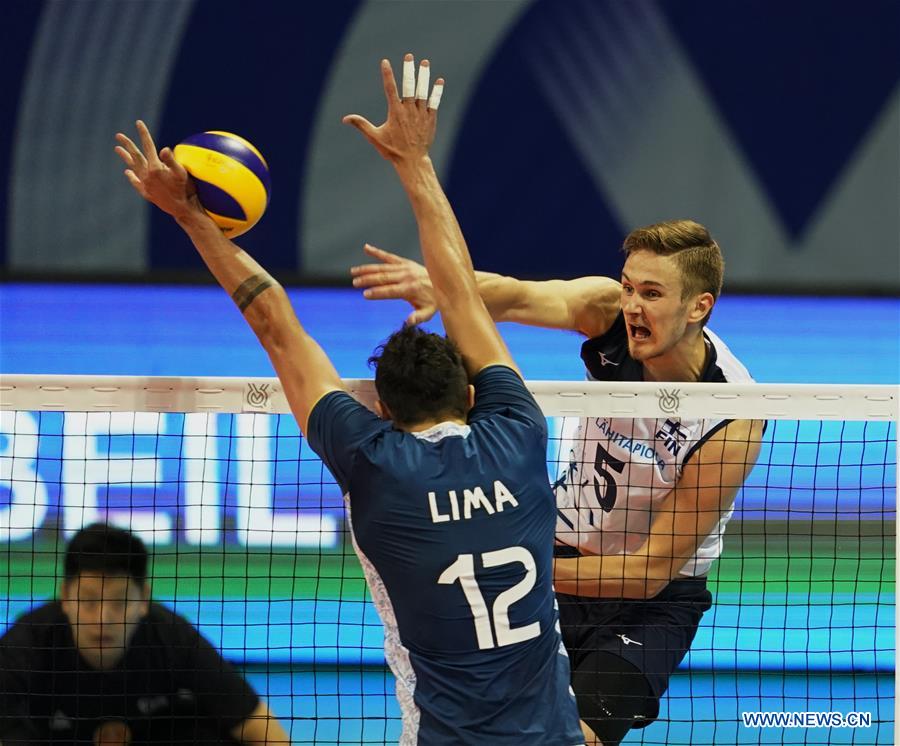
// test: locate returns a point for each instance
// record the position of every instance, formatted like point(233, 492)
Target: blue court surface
point(338, 707)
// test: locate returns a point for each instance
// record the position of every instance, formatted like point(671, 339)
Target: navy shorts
point(653, 635)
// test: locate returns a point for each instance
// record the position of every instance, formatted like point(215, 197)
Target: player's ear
point(701, 307)
point(381, 409)
point(470, 397)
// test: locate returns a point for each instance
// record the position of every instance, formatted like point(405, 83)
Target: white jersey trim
point(443, 430)
point(395, 653)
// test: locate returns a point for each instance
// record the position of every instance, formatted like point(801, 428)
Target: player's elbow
point(652, 587)
point(659, 574)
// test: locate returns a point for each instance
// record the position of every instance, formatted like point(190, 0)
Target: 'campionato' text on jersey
point(621, 469)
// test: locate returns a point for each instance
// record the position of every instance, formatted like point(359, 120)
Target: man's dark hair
point(420, 377)
point(100, 549)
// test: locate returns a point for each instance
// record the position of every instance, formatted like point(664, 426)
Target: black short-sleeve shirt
point(171, 686)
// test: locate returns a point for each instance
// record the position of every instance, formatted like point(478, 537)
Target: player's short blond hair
point(695, 252)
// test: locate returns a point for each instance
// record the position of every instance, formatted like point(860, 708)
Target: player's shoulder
point(595, 301)
point(501, 393)
point(37, 627)
point(498, 374)
point(162, 626)
point(723, 366)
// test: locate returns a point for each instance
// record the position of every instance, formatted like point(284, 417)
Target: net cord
point(26, 392)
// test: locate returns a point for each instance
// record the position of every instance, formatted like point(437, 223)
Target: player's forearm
point(612, 576)
point(258, 296)
point(443, 246)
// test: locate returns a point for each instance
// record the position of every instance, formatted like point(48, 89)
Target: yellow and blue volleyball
point(232, 178)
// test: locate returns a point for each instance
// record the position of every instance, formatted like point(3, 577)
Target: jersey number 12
point(494, 624)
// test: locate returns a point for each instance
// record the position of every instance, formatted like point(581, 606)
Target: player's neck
point(684, 362)
point(423, 426)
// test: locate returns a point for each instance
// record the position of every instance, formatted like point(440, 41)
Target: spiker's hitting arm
point(587, 305)
point(305, 372)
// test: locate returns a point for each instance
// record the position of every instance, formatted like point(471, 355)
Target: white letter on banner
point(27, 507)
point(86, 470)
point(257, 523)
point(200, 474)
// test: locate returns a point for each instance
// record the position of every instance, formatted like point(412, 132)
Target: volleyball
point(232, 178)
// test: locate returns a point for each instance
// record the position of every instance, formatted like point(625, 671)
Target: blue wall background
point(565, 123)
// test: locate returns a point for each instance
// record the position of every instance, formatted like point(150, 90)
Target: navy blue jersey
point(454, 529)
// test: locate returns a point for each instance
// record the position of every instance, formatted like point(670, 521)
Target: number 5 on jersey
point(494, 625)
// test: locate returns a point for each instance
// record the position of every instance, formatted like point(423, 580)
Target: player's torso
point(142, 691)
point(427, 511)
point(455, 535)
point(619, 472)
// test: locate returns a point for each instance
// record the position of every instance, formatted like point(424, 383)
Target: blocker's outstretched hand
point(408, 131)
point(157, 177)
point(396, 277)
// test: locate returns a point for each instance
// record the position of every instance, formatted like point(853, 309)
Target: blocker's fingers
point(125, 142)
point(408, 86)
point(124, 155)
point(436, 94)
point(360, 123)
point(423, 80)
point(135, 181)
point(146, 140)
point(168, 157)
point(390, 84)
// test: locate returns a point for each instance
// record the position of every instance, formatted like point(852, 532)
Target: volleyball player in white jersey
point(643, 504)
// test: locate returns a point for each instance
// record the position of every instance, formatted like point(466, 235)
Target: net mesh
point(249, 544)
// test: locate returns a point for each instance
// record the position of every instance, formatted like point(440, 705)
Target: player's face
point(655, 314)
point(103, 611)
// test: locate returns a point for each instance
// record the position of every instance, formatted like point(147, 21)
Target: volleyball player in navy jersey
point(644, 503)
point(451, 512)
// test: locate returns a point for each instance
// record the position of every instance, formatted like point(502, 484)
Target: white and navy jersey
point(454, 529)
point(620, 470)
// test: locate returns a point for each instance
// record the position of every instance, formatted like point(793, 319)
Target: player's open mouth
point(639, 332)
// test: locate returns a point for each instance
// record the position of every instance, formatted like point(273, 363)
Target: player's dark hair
point(695, 252)
point(100, 549)
point(420, 376)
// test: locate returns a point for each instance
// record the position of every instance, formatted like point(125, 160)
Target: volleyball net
point(249, 543)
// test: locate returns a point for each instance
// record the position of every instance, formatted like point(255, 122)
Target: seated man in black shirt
point(104, 664)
